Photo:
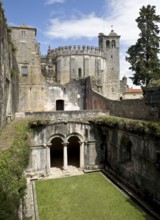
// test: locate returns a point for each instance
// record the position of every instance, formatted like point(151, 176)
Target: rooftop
point(131, 90)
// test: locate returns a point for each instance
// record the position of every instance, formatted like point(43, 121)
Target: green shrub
point(13, 161)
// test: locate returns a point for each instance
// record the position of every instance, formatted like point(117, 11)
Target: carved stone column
point(48, 158)
point(65, 156)
point(81, 144)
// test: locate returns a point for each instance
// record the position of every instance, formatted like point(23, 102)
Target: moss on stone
point(149, 128)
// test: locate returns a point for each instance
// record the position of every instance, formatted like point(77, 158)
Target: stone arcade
point(66, 142)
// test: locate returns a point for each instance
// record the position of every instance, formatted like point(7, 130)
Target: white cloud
point(119, 13)
point(123, 16)
point(86, 26)
point(49, 2)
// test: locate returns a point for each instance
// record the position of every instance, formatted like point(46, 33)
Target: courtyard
point(89, 197)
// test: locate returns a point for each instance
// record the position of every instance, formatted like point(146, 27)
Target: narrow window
point(79, 72)
point(107, 43)
point(24, 71)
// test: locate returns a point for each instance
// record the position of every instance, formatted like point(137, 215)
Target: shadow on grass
point(138, 207)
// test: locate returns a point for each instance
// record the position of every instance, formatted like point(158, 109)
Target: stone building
point(60, 81)
point(133, 93)
point(8, 73)
point(57, 81)
point(64, 64)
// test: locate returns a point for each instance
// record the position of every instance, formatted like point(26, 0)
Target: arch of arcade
point(66, 143)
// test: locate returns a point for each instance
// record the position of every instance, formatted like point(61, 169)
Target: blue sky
point(78, 22)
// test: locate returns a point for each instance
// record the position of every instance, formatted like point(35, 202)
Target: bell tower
point(109, 45)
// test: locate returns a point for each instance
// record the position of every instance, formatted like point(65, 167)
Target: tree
point(143, 56)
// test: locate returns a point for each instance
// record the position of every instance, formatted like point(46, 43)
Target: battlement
point(76, 50)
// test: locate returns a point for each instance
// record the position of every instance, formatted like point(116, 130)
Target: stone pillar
point(48, 158)
point(92, 153)
point(65, 156)
point(81, 145)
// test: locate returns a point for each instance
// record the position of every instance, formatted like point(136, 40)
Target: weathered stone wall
point(135, 108)
point(135, 160)
point(65, 115)
point(93, 99)
point(27, 55)
point(8, 73)
point(44, 97)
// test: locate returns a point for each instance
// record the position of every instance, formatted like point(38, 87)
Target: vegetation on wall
point(14, 72)
point(37, 122)
point(14, 157)
point(147, 128)
point(2, 10)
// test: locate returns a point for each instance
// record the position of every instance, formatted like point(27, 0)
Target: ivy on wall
point(13, 160)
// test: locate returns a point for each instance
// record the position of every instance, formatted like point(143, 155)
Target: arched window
point(107, 43)
point(125, 150)
point(113, 43)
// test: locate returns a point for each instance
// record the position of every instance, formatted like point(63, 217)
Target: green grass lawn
point(86, 197)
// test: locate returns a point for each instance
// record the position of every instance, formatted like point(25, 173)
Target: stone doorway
point(56, 153)
point(73, 151)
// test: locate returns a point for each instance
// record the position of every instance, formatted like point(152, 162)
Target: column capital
point(65, 143)
point(80, 142)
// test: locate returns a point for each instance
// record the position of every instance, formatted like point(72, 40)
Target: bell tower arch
point(109, 45)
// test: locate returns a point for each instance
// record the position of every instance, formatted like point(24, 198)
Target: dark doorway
point(74, 151)
point(60, 105)
point(56, 153)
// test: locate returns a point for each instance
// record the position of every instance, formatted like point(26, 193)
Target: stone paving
point(31, 211)
point(56, 172)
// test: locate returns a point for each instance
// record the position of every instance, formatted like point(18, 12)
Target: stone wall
point(134, 109)
point(9, 85)
point(65, 115)
point(135, 160)
point(45, 97)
